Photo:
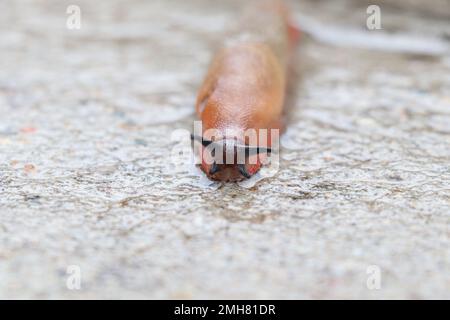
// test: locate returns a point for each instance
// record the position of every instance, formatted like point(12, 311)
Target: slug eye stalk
point(205, 143)
point(249, 150)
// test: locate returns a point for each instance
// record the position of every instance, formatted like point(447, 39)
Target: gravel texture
point(86, 178)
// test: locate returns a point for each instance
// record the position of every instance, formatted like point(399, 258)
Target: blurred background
point(89, 205)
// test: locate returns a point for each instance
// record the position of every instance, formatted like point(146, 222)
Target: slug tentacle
point(214, 169)
point(243, 170)
point(204, 142)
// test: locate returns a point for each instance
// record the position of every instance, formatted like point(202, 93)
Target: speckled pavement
point(85, 172)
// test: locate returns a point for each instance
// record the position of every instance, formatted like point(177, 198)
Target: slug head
point(228, 160)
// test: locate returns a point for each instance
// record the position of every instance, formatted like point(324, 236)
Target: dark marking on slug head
point(230, 172)
point(220, 160)
point(213, 169)
point(243, 171)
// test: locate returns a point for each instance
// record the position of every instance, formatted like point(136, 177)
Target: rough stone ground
point(85, 179)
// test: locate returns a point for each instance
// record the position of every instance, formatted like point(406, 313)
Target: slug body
point(245, 88)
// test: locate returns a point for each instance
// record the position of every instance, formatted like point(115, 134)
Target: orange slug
point(245, 89)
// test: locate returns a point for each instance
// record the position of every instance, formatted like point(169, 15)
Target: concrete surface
point(86, 180)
